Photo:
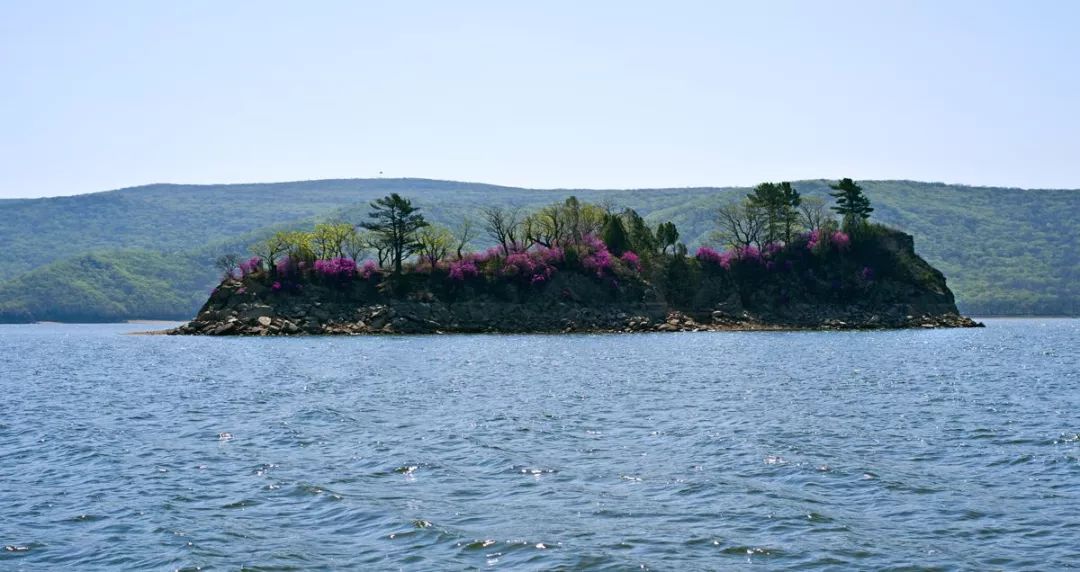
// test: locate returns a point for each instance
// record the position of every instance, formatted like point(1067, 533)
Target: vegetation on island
point(760, 238)
point(149, 252)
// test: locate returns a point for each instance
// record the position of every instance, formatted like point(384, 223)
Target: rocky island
point(577, 267)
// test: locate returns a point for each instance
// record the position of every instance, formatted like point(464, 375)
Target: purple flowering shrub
point(489, 270)
point(537, 265)
point(841, 240)
point(461, 270)
point(598, 262)
point(287, 266)
point(594, 256)
point(711, 256)
point(336, 268)
point(250, 266)
point(820, 240)
point(749, 253)
point(369, 269)
point(725, 259)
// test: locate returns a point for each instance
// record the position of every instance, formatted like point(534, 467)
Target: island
point(780, 261)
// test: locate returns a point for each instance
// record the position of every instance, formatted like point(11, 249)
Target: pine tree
point(666, 235)
point(614, 235)
point(790, 200)
point(766, 197)
point(779, 203)
point(395, 224)
point(851, 204)
point(642, 240)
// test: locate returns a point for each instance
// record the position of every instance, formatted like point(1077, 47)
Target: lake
point(921, 449)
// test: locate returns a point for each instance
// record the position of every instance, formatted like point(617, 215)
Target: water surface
point(943, 449)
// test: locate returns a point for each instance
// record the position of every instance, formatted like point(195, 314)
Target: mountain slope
point(112, 286)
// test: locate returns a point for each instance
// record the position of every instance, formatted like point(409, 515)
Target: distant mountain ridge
point(1004, 250)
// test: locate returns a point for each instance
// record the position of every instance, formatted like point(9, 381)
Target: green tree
point(851, 204)
point(433, 242)
point(779, 203)
point(666, 236)
point(299, 246)
point(677, 281)
point(395, 222)
point(328, 239)
point(614, 235)
point(582, 219)
point(790, 201)
point(270, 248)
point(641, 237)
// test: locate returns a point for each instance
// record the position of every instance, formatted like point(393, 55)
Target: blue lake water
point(942, 449)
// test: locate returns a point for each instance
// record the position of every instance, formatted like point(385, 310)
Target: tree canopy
point(394, 223)
point(851, 204)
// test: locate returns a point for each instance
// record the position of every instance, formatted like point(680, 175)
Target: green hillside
point(111, 286)
point(147, 252)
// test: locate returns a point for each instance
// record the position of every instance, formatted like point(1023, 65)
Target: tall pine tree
point(778, 202)
point(614, 235)
point(395, 222)
point(851, 204)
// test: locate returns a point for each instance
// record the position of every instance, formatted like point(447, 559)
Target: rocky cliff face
point(882, 284)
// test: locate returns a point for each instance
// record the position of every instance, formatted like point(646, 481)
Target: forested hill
point(147, 252)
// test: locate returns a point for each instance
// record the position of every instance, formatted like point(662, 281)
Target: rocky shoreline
point(406, 317)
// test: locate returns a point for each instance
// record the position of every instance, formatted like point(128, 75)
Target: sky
point(107, 94)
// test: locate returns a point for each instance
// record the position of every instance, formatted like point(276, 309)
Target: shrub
point(341, 268)
point(463, 269)
point(841, 240)
point(710, 256)
point(369, 269)
point(598, 262)
point(250, 265)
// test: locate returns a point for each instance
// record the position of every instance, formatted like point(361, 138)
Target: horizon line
point(523, 188)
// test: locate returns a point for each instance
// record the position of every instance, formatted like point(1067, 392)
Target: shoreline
point(152, 321)
point(387, 321)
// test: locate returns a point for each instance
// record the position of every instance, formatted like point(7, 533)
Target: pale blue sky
point(101, 95)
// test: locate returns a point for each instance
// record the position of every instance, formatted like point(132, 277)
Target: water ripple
point(801, 451)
